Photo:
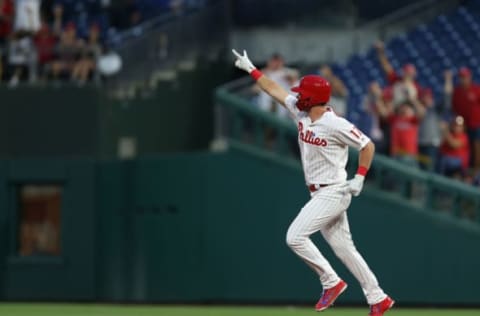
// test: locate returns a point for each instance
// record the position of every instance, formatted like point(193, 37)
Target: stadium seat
point(447, 42)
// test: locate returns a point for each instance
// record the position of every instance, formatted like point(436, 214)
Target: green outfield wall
point(210, 227)
point(68, 121)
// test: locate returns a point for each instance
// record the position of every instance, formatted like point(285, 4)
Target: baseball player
point(324, 139)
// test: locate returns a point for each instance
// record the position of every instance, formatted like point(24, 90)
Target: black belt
point(316, 187)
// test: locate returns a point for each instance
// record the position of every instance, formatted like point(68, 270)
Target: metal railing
point(239, 120)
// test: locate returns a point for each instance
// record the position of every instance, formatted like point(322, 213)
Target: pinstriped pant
point(326, 212)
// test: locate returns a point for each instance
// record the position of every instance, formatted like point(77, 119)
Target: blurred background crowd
point(418, 102)
point(62, 40)
point(414, 95)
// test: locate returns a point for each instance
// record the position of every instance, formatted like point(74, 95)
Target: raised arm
point(339, 86)
point(448, 82)
point(384, 109)
point(419, 108)
point(265, 83)
point(382, 57)
point(448, 90)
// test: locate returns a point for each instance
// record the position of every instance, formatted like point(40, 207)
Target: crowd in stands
point(408, 122)
point(62, 39)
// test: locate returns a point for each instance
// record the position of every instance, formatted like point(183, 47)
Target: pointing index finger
point(236, 53)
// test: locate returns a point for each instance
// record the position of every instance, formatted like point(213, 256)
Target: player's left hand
point(355, 185)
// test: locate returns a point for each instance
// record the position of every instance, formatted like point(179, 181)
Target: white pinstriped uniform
point(324, 152)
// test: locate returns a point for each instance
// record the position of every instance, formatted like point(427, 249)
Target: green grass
point(135, 310)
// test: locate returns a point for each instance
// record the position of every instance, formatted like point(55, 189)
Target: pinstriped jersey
point(324, 144)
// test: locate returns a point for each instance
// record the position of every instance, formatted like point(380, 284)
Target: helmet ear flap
point(303, 103)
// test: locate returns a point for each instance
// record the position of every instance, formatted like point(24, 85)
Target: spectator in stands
point(277, 71)
point(338, 99)
point(374, 102)
point(6, 19)
point(21, 59)
point(62, 12)
point(292, 76)
point(90, 51)
point(404, 122)
point(69, 10)
point(22, 55)
point(82, 13)
point(45, 42)
point(466, 103)
point(404, 86)
point(429, 136)
point(79, 13)
point(68, 52)
point(27, 17)
point(455, 149)
point(58, 18)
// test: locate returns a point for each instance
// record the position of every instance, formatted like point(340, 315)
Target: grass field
point(119, 310)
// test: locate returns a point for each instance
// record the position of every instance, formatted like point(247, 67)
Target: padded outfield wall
point(68, 121)
point(211, 228)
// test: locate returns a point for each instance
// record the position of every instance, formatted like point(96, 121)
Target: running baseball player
point(324, 139)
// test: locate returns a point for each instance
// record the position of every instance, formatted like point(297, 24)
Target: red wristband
point(362, 171)
point(256, 74)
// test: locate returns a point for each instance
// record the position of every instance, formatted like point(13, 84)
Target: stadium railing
point(241, 122)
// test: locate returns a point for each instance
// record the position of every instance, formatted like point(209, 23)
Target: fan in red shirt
point(455, 149)
point(404, 132)
point(404, 86)
point(404, 121)
point(6, 19)
point(466, 103)
point(45, 42)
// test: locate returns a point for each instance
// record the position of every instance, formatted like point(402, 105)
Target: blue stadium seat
point(448, 42)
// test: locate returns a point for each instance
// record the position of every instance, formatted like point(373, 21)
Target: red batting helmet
point(312, 90)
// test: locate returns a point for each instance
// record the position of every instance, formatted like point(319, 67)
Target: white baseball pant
point(326, 212)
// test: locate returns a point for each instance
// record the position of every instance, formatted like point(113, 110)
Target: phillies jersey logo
point(309, 137)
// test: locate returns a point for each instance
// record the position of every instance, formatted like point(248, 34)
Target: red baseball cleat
point(380, 308)
point(330, 295)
